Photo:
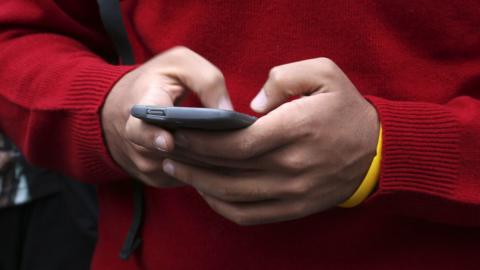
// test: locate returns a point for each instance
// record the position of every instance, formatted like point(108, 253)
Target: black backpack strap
point(133, 240)
point(112, 21)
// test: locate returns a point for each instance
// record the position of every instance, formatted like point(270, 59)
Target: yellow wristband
point(369, 182)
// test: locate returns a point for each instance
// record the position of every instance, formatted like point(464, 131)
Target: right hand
point(140, 148)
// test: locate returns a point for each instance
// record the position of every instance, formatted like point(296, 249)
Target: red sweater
point(418, 62)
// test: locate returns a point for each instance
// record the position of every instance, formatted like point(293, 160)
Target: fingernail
point(225, 103)
point(161, 143)
point(259, 103)
point(168, 167)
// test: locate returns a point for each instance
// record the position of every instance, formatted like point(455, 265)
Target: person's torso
point(398, 50)
point(390, 49)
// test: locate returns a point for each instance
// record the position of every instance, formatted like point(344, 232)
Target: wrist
point(88, 90)
point(114, 114)
point(370, 181)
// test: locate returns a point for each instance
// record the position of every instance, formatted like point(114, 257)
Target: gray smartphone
point(191, 117)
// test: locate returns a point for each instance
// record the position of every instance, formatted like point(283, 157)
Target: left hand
point(306, 156)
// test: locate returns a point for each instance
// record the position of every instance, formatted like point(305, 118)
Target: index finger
point(198, 75)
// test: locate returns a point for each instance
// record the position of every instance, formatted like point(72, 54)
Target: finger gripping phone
point(191, 117)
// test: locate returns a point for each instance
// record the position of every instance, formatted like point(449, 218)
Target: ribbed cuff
point(420, 148)
point(88, 92)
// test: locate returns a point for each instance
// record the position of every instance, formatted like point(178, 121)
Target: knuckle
point(179, 51)
point(214, 78)
point(300, 188)
point(173, 54)
point(277, 75)
point(145, 166)
point(244, 149)
point(293, 162)
point(327, 62)
point(328, 68)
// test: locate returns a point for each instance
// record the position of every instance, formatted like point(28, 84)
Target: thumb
point(294, 79)
point(283, 83)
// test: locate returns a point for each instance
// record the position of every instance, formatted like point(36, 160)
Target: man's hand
point(301, 158)
point(137, 147)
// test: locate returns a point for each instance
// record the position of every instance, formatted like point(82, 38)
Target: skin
point(302, 157)
point(5, 159)
point(137, 147)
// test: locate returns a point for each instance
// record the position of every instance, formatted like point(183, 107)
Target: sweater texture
point(417, 62)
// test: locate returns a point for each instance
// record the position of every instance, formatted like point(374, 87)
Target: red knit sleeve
point(431, 159)
point(53, 85)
